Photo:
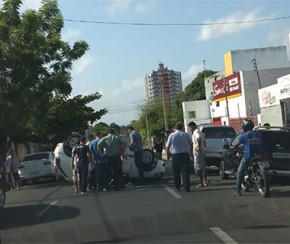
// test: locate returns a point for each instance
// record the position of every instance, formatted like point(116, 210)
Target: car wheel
point(72, 141)
point(148, 156)
point(222, 174)
point(148, 160)
point(2, 197)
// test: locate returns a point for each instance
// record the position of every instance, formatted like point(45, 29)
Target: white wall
point(272, 115)
point(201, 110)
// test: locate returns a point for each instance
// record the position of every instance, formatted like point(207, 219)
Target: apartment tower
point(163, 82)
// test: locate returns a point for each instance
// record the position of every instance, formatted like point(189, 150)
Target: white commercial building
point(275, 102)
point(236, 96)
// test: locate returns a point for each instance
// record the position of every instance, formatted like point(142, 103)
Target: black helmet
point(247, 124)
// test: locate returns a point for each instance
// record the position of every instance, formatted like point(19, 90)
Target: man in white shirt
point(198, 153)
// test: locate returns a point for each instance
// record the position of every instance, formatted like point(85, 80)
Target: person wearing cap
point(179, 146)
point(82, 156)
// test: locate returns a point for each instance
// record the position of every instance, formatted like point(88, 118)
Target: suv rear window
point(218, 132)
point(36, 156)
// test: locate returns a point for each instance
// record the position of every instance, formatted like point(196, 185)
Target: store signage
point(269, 96)
point(284, 86)
point(228, 87)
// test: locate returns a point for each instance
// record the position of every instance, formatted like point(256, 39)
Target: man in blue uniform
point(251, 140)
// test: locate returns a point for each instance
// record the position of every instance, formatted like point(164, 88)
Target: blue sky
point(121, 55)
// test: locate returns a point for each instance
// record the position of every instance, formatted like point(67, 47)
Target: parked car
point(153, 167)
point(215, 137)
point(37, 166)
point(276, 144)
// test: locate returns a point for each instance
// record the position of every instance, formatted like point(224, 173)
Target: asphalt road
point(153, 213)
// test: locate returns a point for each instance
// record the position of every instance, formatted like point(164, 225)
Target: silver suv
point(215, 138)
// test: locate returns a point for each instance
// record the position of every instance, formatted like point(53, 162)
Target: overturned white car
point(153, 167)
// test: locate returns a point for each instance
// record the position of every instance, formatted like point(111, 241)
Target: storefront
point(274, 102)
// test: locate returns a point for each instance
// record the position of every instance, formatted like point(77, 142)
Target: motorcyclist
point(251, 141)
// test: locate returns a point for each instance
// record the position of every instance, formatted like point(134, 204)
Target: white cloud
point(208, 32)
point(190, 74)
point(28, 4)
point(71, 35)
point(31, 4)
point(280, 37)
point(144, 7)
point(138, 7)
point(118, 6)
point(80, 65)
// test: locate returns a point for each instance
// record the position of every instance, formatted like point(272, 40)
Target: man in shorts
point(198, 153)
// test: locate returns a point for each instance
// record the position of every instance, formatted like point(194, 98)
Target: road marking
point(172, 192)
point(223, 235)
point(46, 209)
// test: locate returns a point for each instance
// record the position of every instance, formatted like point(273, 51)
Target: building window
point(191, 114)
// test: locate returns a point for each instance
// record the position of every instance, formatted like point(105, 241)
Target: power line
point(177, 24)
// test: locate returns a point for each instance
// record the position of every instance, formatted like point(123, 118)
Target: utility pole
point(227, 102)
point(163, 100)
point(254, 62)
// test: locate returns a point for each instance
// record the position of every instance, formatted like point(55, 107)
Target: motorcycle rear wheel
point(262, 183)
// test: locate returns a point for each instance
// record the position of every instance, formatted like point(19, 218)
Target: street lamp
point(163, 100)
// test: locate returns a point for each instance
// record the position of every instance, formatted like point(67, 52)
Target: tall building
point(163, 81)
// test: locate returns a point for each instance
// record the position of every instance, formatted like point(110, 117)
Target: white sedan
point(153, 167)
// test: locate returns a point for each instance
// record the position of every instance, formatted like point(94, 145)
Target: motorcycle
point(257, 176)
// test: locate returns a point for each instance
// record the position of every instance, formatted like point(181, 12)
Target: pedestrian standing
point(83, 155)
point(137, 146)
point(109, 147)
point(179, 146)
point(98, 180)
point(12, 164)
point(198, 154)
point(158, 147)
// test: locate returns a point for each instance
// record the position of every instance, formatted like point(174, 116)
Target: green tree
point(35, 74)
point(101, 127)
point(193, 92)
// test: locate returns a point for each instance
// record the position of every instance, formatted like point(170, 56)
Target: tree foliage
point(35, 75)
point(193, 92)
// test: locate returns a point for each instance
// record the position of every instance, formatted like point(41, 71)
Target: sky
point(120, 55)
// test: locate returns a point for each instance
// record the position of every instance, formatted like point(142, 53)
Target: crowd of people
point(97, 163)
point(97, 160)
point(182, 149)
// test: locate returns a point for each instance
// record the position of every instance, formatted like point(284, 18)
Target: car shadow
point(20, 216)
point(279, 193)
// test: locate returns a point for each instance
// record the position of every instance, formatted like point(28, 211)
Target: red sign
point(228, 87)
